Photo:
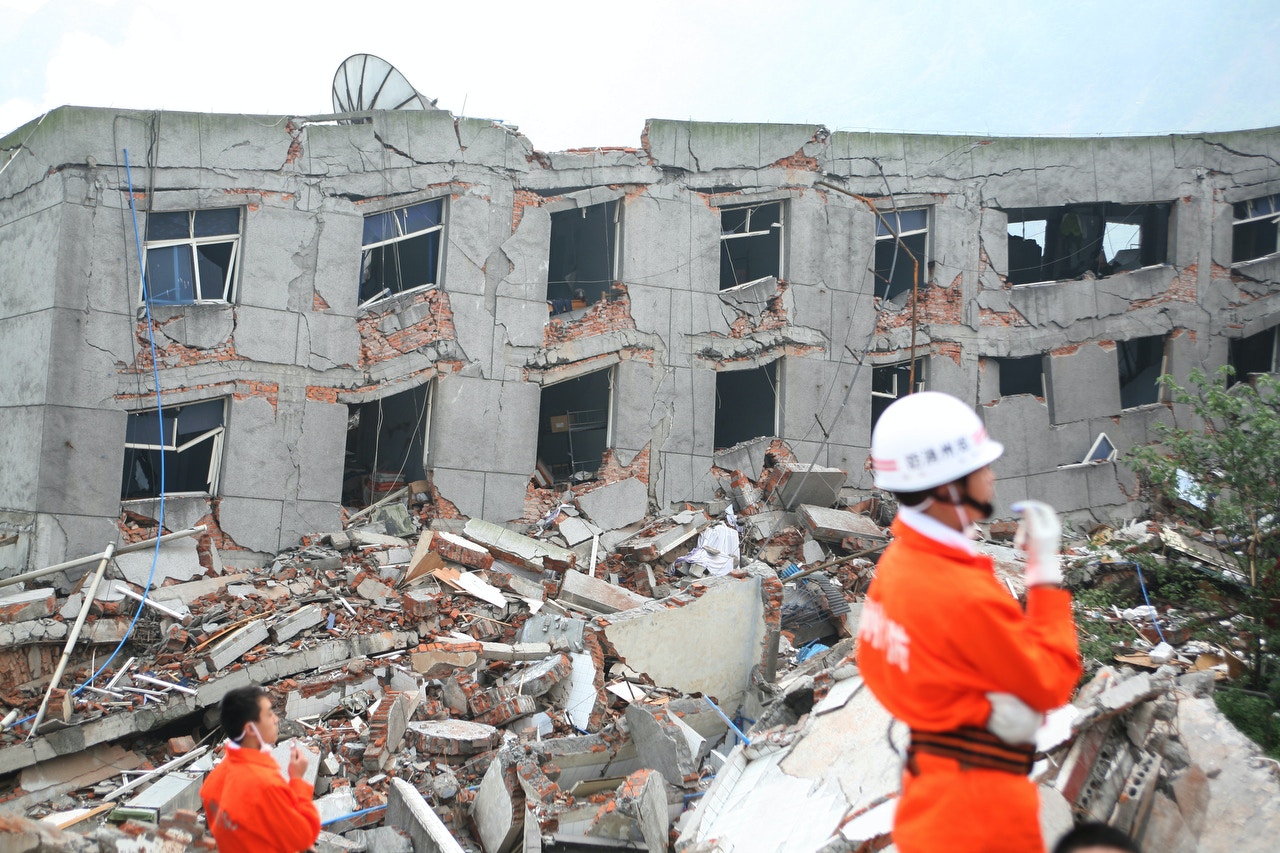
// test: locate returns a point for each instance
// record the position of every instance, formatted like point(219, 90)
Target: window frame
point(1162, 370)
point(1109, 213)
point(750, 207)
point(883, 218)
point(367, 248)
point(229, 285)
point(922, 379)
point(1236, 221)
point(169, 422)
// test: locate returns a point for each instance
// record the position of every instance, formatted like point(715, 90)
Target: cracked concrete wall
point(294, 350)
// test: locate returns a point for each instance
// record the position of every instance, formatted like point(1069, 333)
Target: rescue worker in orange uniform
point(945, 647)
point(248, 805)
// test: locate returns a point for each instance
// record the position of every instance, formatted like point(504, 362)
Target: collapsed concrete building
point(339, 308)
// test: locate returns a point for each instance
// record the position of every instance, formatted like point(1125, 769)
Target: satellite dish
point(366, 82)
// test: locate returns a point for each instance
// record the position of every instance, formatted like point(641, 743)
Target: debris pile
point(599, 677)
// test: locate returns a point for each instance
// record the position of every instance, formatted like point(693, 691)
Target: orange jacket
point(938, 632)
point(250, 808)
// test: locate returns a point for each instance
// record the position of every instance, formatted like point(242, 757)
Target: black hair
point(1095, 835)
point(239, 707)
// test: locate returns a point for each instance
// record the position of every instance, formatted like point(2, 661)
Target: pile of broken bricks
point(465, 685)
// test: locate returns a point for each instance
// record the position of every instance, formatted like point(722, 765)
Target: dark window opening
point(1141, 362)
point(1059, 243)
point(1258, 353)
point(401, 250)
point(190, 440)
point(1021, 375)
point(386, 445)
point(191, 256)
point(890, 382)
point(1253, 234)
point(902, 238)
point(582, 264)
point(750, 243)
point(573, 426)
point(746, 404)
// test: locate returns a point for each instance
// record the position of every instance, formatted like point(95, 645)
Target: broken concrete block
point(1191, 790)
point(617, 504)
point(384, 839)
point(194, 589)
point(232, 647)
point(363, 536)
point(649, 546)
point(450, 738)
point(408, 812)
point(666, 743)
point(176, 559)
point(395, 519)
point(576, 531)
point(835, 525)
point(537, 679)
point(438, 662)
point(516, 548)
point(296, 622)
point(598, 595)
point(460, 550)
point(802, 483)
point(399, 716)
point(505, 709)
point(170, 792)
point(283, 751)
point(517, 652)
point(560, 632)
point(494, 811)
point(727, 619)
point(1165, 830)
point(27, 604)
point(372, 589)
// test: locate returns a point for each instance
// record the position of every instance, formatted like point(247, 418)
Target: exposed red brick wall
point(377, 346)
point(937, 305)
point(607, 315)
point(523, 199)
point(170, 352)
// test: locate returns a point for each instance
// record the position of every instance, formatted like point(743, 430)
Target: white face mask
point(262, 744)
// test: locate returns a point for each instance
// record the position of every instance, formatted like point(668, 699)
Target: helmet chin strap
point(985, 508)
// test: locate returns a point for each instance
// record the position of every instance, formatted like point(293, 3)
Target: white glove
point(1040, 536)
point(1012, 720)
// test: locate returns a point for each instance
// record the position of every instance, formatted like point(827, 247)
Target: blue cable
point(155, 374)
point(1154, 621)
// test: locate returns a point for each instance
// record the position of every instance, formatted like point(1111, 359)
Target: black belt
point(972, 747)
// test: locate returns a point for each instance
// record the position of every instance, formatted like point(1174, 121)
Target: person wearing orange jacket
point(945, 647)
point(248, 805)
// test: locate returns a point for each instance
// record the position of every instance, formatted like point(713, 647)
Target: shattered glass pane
point(215, 269)
point(171, 278)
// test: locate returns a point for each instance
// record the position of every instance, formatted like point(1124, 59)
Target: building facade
point(337, 308)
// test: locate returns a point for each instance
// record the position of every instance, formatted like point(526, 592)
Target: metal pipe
point(82, 561)
point(163, 768)
point(89, 593)
point(737, 731)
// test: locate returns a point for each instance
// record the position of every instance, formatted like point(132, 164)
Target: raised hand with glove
point(1040, 536)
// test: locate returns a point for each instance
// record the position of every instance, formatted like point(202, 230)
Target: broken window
point(901, 241)
point(189, 438)
point(1021, 375)
point(890, 382)
point(1059, 243)
point(573, 427)
point(191, 256)
point(386, 445)
point(1253, 235)
point(1141, 363)
point(746, 404)
point(583, 261)
point(1258, 353)
point(750, 243)
point(401, 250)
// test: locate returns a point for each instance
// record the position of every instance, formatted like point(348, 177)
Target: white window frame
point(170, 425)
point(366, 248)
point(897, 392)
point(1273, 214)
point(233, 272)
point(750, 208)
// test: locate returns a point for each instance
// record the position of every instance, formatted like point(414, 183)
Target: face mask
point(262, 744)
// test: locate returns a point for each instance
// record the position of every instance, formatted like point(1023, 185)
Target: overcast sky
point(577, 74)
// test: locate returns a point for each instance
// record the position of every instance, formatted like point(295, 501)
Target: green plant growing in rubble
point(1229, 462)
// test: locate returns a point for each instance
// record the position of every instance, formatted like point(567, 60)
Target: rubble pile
point(600, 677)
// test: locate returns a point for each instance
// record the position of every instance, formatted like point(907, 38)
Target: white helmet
point(928, 439)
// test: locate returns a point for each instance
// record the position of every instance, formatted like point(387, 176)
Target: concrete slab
point(598, 595)
point(834, 525)
point(709, 645)
point(297, 622)
point(802, 483)
point(169, 793)
point(177, 559)
point(516, 548)
point(617, 504)
point(560, 632)
point(494, 812)
point(231, 648)
point(408, 812)
point(27, 604)
point(665, 743)
point(574, 530)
